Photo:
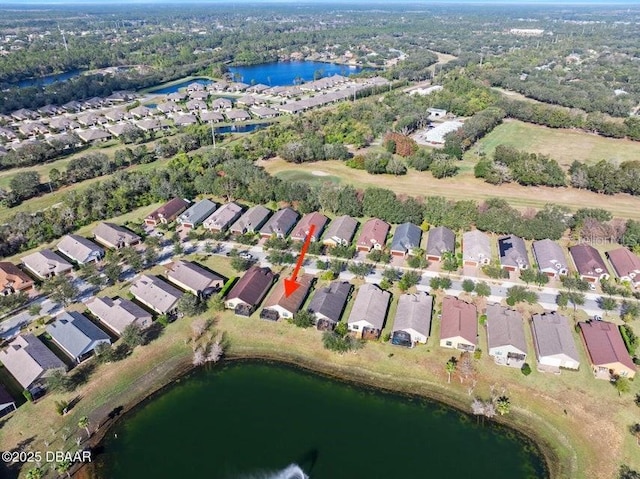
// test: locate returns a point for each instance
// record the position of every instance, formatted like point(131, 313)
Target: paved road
point(546, 296)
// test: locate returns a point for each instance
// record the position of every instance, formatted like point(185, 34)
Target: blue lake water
point(47, 79)
point(286, 73)
point(241, 128)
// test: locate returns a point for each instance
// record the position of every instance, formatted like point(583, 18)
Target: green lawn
point(563, 145)
point(307, 177)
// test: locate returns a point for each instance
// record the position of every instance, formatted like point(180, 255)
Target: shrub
point(477, 354)
point(27, 395)
point(526, 369)
point(61, 406)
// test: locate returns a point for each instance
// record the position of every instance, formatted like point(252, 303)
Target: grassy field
point(461, 187)
point(563, 145)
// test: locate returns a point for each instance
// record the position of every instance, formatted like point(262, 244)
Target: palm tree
point(503, 405)
point(35, 473)
point(63, 467)
point(84, 422)
point(450, 367)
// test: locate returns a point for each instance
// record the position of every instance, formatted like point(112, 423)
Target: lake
point(286, 73)
point(262, 420)
point(47, 79)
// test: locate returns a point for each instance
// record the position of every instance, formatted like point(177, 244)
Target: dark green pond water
point(252, 420)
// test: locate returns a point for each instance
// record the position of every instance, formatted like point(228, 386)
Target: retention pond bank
point(253, 419)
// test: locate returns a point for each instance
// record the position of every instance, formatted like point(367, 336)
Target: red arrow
point(290, 284)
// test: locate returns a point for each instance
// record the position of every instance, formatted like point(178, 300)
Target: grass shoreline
point(518, 421)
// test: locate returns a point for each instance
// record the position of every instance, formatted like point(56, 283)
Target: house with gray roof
point(30, 362)
point(412, 323)
point(223, 217)
point(156, 294)
point(280, 224)
point(213, 116)
point(7, 403)
point(196, 214)
point(329, 302)
point(237, 115)
point(369, 311)
point(550, 258)
point(114, 236)
point(251, 221)
point(80, 249)
point(194, 278)
point(476, 248)
point(441, 240)
point(93, 134)
point(406, 238)
point(221, 104)
point(119, 313)
point(76, 335)
point(554, 343)
point(184, 119)
point(340, 231)
point(46, 264)
point(505, 335)
point(513, 253)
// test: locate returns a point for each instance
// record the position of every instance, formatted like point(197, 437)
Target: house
point(13, 279)
point(318, 220)
point(247, 293)
point(223, 217)
point(114, 236)
point(118, 313)
point(80, 249)
point(280, 224)
point(167, 212)
point(46, 264)
point(237, 115)
point(213, 116)
point(30, 362)
point(194, 278)
point(513, 253)
point(505, 335)
point(412, 323)
point(369, 311)
point(140, 112)
point(329, 302)
point(373, 235)
point(263, 112)
point(476, 248)
point(156, 294)
point(607, 353)
point(149, 124)
point(406, 238)
point(550, 258)
point(76, 335)
point(626, 265)
point(221, 104)
point(251, 221)
point(340, 231)
point(7, 403)
point(435, 113)
point(588, 262)
point(279, 305)
point(185, 119)
point(459, 325)
point(93, 134)
point(553, 341)
point(441, 240)
point(196, 214)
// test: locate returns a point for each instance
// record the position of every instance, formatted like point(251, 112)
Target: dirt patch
point(319, 173)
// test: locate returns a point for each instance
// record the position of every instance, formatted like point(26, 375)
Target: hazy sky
point(372, 2)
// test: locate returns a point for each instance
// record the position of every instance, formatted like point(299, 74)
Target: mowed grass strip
point(563, 145)
point(462, 187)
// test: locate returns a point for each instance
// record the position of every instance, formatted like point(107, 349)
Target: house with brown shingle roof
point(156, 294)
point(505, 335)
point(118, 313)
point(283, 306)
point(340, 231)
point(7, 403)
point(167, 212)
point(30, 362)
point(247, 293)
point(46, 264)
point(115, 236)
point(607, 353)
point(301, 230)
point(193, 278)
point(626, 265)
point(373, 235)
point(458, 325)
point(13, 279)
point(588, 262)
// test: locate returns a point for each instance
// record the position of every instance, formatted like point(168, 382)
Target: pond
point(287, 73)
point(240, 128)
point(264, 420)
point(47, 79)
